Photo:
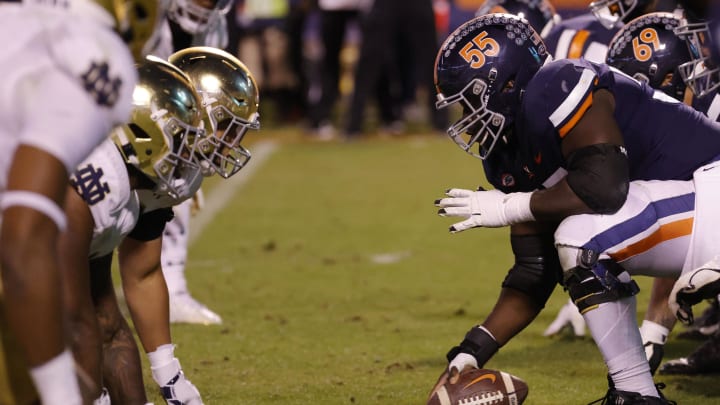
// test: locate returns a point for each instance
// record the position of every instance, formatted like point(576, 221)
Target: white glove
point(461, 361)
point(176, 389)
point(491, 208)
point(654, 337)
point(568, 315)
point(693, 287)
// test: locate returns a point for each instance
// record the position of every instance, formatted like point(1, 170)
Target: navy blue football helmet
point(539, 13)
point(701, 73)
point(612, 13)
point(484, 66)
point(648, 49)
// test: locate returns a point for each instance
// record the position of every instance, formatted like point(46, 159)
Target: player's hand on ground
point(484, 208)
point(180, 391)
point(567, 316)
point(693, 287)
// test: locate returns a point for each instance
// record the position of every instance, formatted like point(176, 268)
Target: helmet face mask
point(612, 13)
point(484, 67)
point(230, 100)
point(700, 74)
point(222, 150)
point(478, 125)
point(177, 169)
point(194, 17)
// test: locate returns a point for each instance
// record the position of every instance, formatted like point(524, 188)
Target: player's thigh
point(649, 235)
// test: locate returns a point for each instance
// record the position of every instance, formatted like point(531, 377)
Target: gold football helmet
point(230, 99)
point(165, 125)
point(137, 21)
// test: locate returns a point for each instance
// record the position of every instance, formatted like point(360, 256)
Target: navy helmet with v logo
point(484, 67)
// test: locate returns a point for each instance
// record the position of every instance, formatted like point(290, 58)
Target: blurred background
point(341, 69)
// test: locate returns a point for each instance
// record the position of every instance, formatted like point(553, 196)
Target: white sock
point(56, 382)
point(163, 364)
point(653, 332)
point(613, 326)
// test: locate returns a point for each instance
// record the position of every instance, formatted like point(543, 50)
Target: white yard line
point(224, 192)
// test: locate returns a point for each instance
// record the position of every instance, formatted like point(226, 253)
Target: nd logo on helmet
point(475, 51)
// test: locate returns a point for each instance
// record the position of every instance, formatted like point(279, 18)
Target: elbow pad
point(599, 175)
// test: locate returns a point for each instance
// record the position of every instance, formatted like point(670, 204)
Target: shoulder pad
point(561, 92)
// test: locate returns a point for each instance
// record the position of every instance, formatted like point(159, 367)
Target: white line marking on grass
point(223, 193)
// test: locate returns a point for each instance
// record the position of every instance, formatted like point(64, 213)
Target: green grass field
point(338, 284)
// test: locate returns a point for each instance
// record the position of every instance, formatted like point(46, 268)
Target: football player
point(557, 139)
point(229, 102)
point(649, 50)
point(703, 78)
point(589, 34)
point(188, 23)
point(232, 107)
point(154, 152)
point(67, 80)
point(677, 64)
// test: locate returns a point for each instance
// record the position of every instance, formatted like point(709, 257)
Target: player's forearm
point(557, 203)
point(147, 299)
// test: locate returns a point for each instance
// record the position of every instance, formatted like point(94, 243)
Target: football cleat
point(616, 397)
point(704, 360)
point(185, 309)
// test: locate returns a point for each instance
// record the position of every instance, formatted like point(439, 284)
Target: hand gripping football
point(481, 387)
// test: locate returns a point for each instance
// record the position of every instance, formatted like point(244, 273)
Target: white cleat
point(185, 309)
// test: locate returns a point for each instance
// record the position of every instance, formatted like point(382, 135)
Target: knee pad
point(593, 281)
point(536, 270)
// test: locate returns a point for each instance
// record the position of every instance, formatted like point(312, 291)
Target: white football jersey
point(102, 181)
point(67, 79)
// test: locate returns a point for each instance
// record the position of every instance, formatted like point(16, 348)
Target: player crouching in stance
point(557, 139)
point(121, 199)
point(165, 155)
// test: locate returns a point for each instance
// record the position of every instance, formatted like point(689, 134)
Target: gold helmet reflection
point(164, 126)
point(137, 21)
point(230, 99)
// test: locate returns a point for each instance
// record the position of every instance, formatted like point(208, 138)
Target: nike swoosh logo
point(488, 376)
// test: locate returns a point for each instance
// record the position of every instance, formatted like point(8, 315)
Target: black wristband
point(477, 343)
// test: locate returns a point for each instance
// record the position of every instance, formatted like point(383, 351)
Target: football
point(481, 387)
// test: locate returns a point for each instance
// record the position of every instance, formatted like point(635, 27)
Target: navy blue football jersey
point(664, 138)
point(581, 36)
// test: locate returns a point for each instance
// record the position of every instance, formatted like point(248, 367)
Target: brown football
point(482, 387)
